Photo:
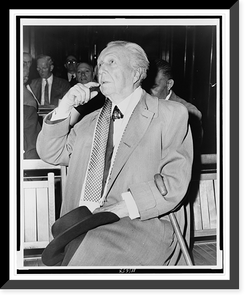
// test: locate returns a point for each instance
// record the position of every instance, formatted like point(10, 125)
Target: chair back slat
point(205, 206)
point(42, 215)
point(29, 215)
point(39, 212)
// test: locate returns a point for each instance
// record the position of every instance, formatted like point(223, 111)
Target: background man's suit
point(58, 90)
point(157, 140)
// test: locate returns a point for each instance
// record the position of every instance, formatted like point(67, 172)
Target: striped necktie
point(94, 179)
point(117, 114)
point(46, 92)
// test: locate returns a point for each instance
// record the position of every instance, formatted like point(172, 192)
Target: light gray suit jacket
point(156, 140)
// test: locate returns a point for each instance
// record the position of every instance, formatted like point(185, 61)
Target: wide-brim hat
point(71, 225)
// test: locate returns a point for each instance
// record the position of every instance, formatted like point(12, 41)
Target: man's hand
point(80, 94)
point(77, 95)
point(120, 209)
point(160, 184)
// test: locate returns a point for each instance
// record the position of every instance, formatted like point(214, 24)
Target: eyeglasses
point(71, 62)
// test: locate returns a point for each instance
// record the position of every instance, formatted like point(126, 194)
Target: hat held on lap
point(68, 227)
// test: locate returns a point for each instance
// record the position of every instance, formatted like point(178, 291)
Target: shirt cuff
point(131, 205)
point(57, 115)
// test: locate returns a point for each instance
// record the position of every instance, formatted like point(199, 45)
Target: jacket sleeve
point(31, 130)
point(175, 167)
point(55, 141)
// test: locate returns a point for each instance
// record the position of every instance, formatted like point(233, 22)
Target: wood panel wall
point(191, 50)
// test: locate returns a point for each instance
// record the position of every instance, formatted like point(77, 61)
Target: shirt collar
point(130, 102)
point(70, 76)
point(169, 95)
point(50, 79)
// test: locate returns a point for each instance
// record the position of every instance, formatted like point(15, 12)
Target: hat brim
point(54, 252)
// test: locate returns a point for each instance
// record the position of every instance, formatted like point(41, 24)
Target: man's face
point(84, 73)
point(160, 87)
point(115, 74)
point(44, 68)
point(71, 64)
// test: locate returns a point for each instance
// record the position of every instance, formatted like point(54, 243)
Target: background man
point(160, 83)
point(48, 89)
point(84, 73)
point(31, 125)
point(71, 65)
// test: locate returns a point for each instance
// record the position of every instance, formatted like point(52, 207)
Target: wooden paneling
point(191, 50)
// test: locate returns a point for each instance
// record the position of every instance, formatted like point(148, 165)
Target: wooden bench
point(204, 204)
point(38, 212)
point(38, 164)
point(38, 206)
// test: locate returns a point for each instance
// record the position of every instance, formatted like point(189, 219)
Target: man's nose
point(83, 74)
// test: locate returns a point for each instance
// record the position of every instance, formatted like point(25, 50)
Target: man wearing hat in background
point(113, 155)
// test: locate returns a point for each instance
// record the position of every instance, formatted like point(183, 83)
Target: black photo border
point(233, 283)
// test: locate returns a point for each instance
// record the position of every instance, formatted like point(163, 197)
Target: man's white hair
point(138, 57)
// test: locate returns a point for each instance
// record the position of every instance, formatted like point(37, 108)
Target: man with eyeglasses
point(71, 66)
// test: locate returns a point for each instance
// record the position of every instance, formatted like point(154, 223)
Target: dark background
point(191, 50)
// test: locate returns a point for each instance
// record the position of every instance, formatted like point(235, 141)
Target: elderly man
point(149, 136)
point(48, 89)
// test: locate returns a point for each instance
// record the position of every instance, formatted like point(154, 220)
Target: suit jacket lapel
point(54, 87)
point(36, 88)
point(135, 130)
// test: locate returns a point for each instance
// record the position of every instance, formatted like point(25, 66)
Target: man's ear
point(51, 68)
point(170, 84)
point(137, 75)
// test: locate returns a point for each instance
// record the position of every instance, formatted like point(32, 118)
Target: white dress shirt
point(127, 107)
point(70, 76)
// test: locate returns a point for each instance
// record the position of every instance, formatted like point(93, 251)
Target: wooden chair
point(38, 164)
point(38, 213)
point(205, 206)
point(38, 207)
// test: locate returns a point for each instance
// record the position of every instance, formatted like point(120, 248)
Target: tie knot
point(117, 114)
